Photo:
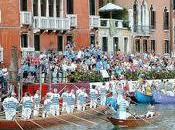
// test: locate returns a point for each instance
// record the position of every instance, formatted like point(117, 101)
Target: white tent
point(110, 7)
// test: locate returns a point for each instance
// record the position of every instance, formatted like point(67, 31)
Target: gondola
point(39, 122)
point(133, 121)
point(160, 98)
point(142, 98)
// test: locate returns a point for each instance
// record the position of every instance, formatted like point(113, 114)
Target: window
point(167, 46)
point(137, 42)
point(1, 55)
point(135, 16)
point(43, 7)
point(153, 45)
point(0, 16)
point(92, 39)
point(92, 7)
point(152, 18)
point(35, 7)
point(115, 44)
point(24, 41)
point(23, 5)
point(69, 39)
point(51, 8)
point(125, 44)
point(145, 46)
point(173, 4)
point(166, 19)
point(58, 8)
point(60, 43)
point(105, 44)
point(37, 42)
point(70, 5)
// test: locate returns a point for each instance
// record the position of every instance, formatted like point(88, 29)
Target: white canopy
point(110, 7)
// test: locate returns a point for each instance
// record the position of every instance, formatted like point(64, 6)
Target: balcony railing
point(94, 21)
point(73, 20)
point(26, 18)
point(51, 23)
point(143, 30)
point(107, 23)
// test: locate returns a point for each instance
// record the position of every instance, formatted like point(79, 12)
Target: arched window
point(135, 15)
point(166, 19)
point(152, 18)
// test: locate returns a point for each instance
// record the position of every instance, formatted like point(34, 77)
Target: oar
point(66, 121)
point(97, 116)
point(18, 124)
point(37, 124)
point(84, 119)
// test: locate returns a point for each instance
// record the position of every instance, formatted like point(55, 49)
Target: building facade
point(150, 22)
point(38, 25)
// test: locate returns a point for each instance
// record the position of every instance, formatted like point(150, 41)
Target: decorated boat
point(161, 98)
point(43, 123)
point(133, 121)
point(142, 98)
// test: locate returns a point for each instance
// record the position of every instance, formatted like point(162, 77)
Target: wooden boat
point(160, 98)
point(142, 98)
point(133, 122)
point(50, 121)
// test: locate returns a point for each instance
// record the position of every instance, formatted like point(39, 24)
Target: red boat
point(133, 121)
point(21, 124)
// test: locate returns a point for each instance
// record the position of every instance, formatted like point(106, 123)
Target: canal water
point(166, 121)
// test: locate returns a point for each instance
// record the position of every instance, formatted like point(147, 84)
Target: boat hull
point(49, 121)
point(160, 98)
point(130, 123)
point(142, 98)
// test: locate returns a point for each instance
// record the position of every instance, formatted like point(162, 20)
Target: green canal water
point(166, 121)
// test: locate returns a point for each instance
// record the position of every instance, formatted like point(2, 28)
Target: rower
point(93, 97)
point(47, 106)
point(10, 105)
point(55, 107)
point(70, 102)
point(27, 104)
point(151, 111)
point(81, 100)
point(123, 104)
point(103, 92)
point(64, 96)
point(36, 101)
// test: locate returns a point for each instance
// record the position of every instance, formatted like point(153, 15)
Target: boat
point(161, 98)
point(133, 121)
point(39, 122)
point(142, 98)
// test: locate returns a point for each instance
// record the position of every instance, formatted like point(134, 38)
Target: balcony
point(142, 30)
point(73, 20)
point(26, 18)
point(94, 21)
point(51, 23)
point(107, 23)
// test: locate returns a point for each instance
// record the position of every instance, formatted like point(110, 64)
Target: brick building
point(150, 21)
point(37, 25)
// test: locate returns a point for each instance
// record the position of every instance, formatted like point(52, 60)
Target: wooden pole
point(18, 124)
point(84, 119)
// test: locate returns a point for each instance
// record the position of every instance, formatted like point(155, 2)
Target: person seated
point(150, 114)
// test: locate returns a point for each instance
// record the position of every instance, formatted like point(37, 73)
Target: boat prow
point(133, 122)
point(142, 98)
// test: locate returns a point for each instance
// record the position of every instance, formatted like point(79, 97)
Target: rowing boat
point(50, 121)
point(160, 98)
point(142, 98)
point(133, 122)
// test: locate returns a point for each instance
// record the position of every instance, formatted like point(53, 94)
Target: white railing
point(26, 18)
point(139, 29)
point(73, 19)
point(51, 23)
point(107, 23)
point(94, 21)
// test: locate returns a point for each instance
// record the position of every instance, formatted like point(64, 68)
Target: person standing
point(70, 102)
point(103, 93)
point(10, 105)
point(55, 107)
point(81, 100)
point(36, 101)
point(27, 104)
point(93, 97)
point(64, 97)
point(47, 106)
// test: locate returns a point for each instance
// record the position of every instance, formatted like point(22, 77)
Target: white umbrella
point(109, 8)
